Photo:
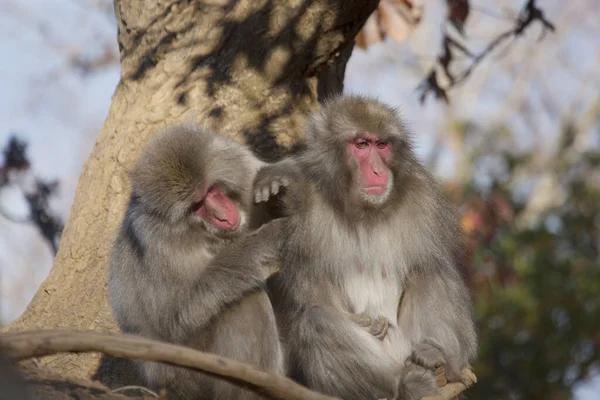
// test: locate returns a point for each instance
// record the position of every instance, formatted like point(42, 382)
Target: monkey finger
point(440, 376)
point(468, 377)
point(456, 373)
point(285, 182)
point(416, 382)
point(361, 320)
point(266, 193)
point(427, 356)
point(380, 327)
point(274, 188)
point(257, 195)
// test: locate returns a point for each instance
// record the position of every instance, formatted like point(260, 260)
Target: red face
point(218, 209)
point(371, 153)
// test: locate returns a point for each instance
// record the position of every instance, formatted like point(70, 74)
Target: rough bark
point(249, 69)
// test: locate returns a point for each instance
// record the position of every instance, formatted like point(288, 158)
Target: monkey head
point(195, 180)
point(358, 153)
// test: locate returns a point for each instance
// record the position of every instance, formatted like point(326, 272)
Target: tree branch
point(529, 14)
point(27, 344)
point(17, 171)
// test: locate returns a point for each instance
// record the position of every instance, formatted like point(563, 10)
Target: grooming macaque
point(369, 233)
point(192, 197)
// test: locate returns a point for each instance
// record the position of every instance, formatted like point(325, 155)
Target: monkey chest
point(373, 290)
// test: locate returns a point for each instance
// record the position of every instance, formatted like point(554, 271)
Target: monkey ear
point(319, 125)
point(314, 125)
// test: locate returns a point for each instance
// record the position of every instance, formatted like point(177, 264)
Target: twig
point(37, 343)
point(528, 15)
point(17, 170)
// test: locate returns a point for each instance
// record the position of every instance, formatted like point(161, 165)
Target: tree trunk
point(249, 69)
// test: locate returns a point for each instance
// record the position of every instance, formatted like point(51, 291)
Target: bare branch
point(26, 344)
point(447, 392)
point(17, 170)
point(430, 84)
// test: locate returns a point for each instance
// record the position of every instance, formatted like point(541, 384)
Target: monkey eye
point(382, 144)
point(197, 206)
point(211, 189)
point(361, 143)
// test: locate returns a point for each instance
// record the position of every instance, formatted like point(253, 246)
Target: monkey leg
point(332, 354)
point(444, 336)
point(245, 332)
point(248, 333)
point(416, 382)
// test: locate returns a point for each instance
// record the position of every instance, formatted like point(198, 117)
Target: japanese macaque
point(192, 197)
point(368, 233)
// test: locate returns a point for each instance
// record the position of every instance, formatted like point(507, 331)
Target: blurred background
point(503, 99)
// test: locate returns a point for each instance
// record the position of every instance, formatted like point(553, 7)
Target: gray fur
point(344, 253)
point(161, 282)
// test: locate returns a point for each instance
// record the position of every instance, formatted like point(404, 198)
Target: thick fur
point(12, 386)
point(344, 254)
point(161, 282)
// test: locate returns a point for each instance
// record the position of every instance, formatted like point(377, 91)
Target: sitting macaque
point(191, 198)
point(367, 233)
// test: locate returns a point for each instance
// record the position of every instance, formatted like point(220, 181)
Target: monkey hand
point(270, 179)
point(430, 356)
point(377, 327)
point(416, 382)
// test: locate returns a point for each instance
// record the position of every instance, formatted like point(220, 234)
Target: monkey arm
point(273, 177)
point(447, 323)
point(235, 272)
point(336, 356)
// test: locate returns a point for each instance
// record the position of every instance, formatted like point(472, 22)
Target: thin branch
point(17, 170)
point(27, 344)
point(430, 84)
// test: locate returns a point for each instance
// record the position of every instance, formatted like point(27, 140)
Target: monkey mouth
point(226, 224)
point(376, 190)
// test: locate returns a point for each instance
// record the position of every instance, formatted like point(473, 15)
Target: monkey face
point(218, 212)
point(369, 156)
point(195, 182)
point(358, 156)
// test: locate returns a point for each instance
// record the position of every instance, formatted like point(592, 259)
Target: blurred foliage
point(534, 273)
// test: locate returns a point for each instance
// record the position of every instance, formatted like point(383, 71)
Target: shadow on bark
point(282, 44)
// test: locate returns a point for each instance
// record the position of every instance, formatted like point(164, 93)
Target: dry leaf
point(393, 23)
point(394, 18)
point(370, 33)
point(458, 11)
